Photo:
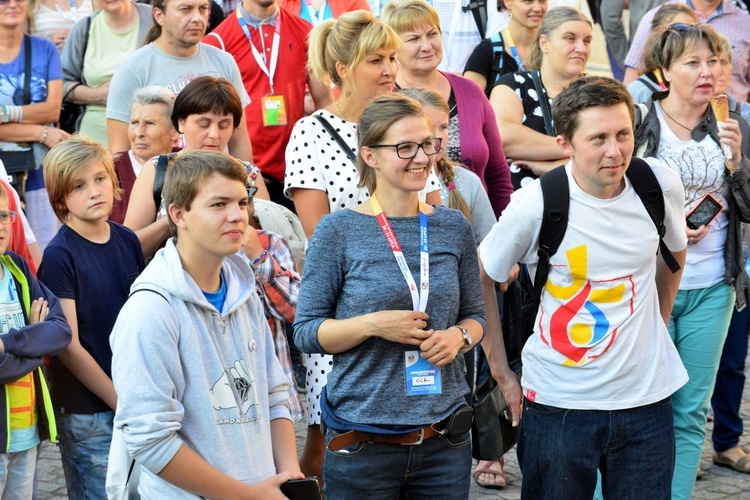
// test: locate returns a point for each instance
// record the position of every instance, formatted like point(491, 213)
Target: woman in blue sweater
point(395, 378)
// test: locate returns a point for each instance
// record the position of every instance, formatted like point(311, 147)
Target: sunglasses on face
point(408, 150)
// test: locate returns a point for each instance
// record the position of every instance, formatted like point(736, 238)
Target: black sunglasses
point(682, 27)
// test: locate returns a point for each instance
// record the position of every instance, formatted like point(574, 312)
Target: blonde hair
point(64, 164)
point(432, 99)
point(406, 15)
point(726, 47)
point(347, 40)
point(376, 120)
point(552, 21)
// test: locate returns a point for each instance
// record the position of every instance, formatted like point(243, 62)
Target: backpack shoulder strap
point(641, 111)
point(556, 195)
point(647, 187)
point(27, 69)
point(161, 171)
point(339, 140)
point(478, 9)
point(549, 127)
point(498, 48)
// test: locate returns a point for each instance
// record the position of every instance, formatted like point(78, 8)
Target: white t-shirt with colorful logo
point(599, 340)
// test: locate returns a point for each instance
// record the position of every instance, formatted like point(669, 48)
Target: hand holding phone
point(302, 489)
point(704, 212)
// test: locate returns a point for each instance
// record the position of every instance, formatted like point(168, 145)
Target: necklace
point(338, 109)
point(670, 117)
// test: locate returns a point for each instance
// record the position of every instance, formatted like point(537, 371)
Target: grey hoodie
point(185, 373)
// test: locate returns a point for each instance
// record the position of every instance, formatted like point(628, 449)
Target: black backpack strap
point(85, 46)
point(497, 58)
point(478, 9)
point(556, 195)
point(647, 187)
point(161, 170)
point(339, 140)
point(543, 103)
point(27, 69)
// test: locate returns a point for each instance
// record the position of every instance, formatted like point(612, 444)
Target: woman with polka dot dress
point(357, 54)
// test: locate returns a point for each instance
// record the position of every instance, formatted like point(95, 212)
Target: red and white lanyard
point(260, 57)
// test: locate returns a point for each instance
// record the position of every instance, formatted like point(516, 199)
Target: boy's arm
point(82, 365)
point(284, 444)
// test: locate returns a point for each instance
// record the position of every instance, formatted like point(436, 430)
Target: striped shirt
point(728, 20)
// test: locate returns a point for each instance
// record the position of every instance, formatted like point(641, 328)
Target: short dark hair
point(207, 94)
point(187, 173)
point(587, 92)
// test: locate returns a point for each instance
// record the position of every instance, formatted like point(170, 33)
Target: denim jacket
point(647, 131)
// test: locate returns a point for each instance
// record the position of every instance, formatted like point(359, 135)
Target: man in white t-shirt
point(600, 367)
point(173, 59)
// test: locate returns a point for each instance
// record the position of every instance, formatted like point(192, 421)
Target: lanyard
point(419, 300)
point(657, 73)
point(316, 16)
point(512, 46)
point(73, 10)
point(260, 58)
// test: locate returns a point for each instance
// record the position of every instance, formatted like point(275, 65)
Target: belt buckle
point(418, 441)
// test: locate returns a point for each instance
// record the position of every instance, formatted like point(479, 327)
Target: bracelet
point(11, 114)
point(262, 256)
point(44, 135)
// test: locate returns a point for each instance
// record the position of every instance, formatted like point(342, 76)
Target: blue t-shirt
point(45, 67)
point(98, 277)
point(218, 297)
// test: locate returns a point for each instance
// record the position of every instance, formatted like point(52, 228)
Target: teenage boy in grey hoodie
point(201, 395)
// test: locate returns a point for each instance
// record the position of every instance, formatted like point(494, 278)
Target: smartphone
point(704, 212)
point(302, 489)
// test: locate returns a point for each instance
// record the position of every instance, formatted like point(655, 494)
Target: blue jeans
point(84, 446)
point(17, 474)
point(698, 326)
point(438, 468)
point(560, 451)
point(730, 382)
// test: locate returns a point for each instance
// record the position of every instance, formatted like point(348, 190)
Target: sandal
point(495, 472)
point(741, 465)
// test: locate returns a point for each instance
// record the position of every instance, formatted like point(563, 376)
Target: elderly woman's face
point(692, 77)
point(150, 131)
point(421, 49)
point(207, 130)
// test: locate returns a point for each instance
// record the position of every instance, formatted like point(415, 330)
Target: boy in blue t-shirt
point(90, 265)
point(32, 325)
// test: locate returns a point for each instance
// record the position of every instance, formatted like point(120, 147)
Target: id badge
point(274, 110)
point(421, 377)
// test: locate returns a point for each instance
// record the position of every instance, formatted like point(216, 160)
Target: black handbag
point(492, 433)
point(71, 113)
point(21, 161)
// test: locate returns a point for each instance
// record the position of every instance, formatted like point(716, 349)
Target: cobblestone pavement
point(718, 482)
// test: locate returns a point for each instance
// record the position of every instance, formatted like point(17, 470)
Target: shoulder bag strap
point(556, 196)
point(339, 140)
point(647, 187)
point(543, 103)
point(27, 69)
point(85, 46)
point(497, 58)
point(161, 171)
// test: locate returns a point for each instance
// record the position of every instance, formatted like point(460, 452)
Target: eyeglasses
point(7, 216)
point(408, 150)
point(6, 2)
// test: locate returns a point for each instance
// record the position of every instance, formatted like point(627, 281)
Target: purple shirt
point(727, 20)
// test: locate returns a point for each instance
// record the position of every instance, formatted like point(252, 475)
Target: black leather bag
point(71, 113)
point(21, 161)
point(492, 433)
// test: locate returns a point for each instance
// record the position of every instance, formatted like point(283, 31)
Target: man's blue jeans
point(560, 451)
point(84, 446)
point(437, 468)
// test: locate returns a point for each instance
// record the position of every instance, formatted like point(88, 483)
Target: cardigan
point(481, 147)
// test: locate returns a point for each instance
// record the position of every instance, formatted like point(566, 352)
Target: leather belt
point(414, 438)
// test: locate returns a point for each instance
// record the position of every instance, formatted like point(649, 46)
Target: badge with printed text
point(274, 110)
point(421, 377)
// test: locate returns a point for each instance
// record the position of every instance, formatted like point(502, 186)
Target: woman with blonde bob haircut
point(357, 54)
point(474, 140)
point(357, 302)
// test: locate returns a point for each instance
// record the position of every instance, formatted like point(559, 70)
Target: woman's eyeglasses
point(7, 216)
point(408, 150)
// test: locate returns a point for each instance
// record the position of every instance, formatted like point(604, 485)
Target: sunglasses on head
point(682, 27)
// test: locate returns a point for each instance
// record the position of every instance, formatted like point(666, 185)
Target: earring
point(348, 93)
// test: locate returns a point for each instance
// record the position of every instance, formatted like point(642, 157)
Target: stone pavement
point(718, 483)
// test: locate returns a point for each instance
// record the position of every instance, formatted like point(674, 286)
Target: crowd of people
point(343, 211)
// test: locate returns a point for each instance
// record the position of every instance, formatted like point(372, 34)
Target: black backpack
point(556, 195)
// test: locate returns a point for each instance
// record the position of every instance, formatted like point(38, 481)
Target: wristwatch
point(466, 336)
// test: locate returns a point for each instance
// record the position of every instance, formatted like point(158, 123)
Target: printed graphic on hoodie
point(236, 388)
point(585, 321)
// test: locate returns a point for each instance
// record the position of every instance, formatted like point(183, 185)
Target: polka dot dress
point(314, 160)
